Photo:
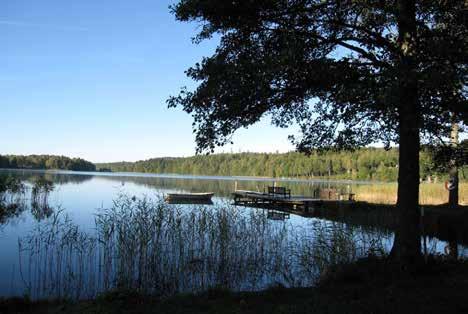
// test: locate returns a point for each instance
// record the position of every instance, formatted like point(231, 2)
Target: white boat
point(189, 196)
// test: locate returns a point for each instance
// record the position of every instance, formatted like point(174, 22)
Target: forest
point(362, 164)
point(374, 164)
point(45, 162)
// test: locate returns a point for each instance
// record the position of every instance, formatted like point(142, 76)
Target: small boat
point(189, 196)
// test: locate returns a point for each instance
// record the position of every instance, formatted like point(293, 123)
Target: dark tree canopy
point(442, 156)
point(330, 66)
point(349, 72)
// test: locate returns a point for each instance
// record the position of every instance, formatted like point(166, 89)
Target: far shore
point(201, 176)
point(197, 176)
point(376, 192)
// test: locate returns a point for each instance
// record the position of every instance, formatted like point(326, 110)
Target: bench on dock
point(279, 191)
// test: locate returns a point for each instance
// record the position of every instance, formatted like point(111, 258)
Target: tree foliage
point(330, 66)
point(362, 164)
point(348, 72)
point(45, 162)
point(443, 155)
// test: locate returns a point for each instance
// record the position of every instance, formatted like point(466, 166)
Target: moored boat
point(189, 196)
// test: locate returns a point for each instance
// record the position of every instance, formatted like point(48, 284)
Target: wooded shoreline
point(366, 164)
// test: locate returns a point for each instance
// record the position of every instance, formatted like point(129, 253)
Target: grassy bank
point(367, 286)
point(429, 193)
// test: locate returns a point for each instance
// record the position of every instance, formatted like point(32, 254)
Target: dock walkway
point(305, 204)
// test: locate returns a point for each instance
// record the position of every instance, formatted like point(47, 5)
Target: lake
point(100, 231)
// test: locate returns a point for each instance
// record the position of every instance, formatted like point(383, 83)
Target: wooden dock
point(294, 203)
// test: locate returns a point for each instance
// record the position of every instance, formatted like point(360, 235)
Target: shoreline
point(202, 177)
point(377, 192)
point(219, 177)
point(369, 286)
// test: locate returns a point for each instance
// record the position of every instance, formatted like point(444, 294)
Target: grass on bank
point(367, 286)
point(429, 193)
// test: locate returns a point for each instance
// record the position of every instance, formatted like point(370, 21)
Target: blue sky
point(90, 79)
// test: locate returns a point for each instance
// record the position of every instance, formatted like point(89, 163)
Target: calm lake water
point(101, 231)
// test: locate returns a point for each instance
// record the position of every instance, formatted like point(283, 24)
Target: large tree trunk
point(453, 192)
point(407, 245)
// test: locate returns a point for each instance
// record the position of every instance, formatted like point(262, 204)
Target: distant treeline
point(45, 162)
point(362, 164)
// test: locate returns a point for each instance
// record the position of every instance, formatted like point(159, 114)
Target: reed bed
point(429, 193)
point(40, 192)
point(12, 191)
point(146, 245)
point(59, 259)
point(12, 198)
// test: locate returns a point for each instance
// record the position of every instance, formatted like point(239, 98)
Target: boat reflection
point(277, 215)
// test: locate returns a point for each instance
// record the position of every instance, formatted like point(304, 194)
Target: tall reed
point(429, 193)
point(12, 198)
point(146, 245)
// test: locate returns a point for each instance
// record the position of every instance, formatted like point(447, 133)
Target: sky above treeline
point(90, 79)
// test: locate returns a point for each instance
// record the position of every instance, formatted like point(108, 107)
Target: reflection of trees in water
point(41, 210)
point(163, 249)
point(40, 191)
point(13, 201)
point(221, 187)
point(11, 210)
point(382, 219)
point(225, 188)
point(372, 217)
point(58, 178)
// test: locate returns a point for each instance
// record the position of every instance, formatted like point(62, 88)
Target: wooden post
point(235, 186)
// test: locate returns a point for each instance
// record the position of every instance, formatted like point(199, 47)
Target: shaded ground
point(369, 286)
